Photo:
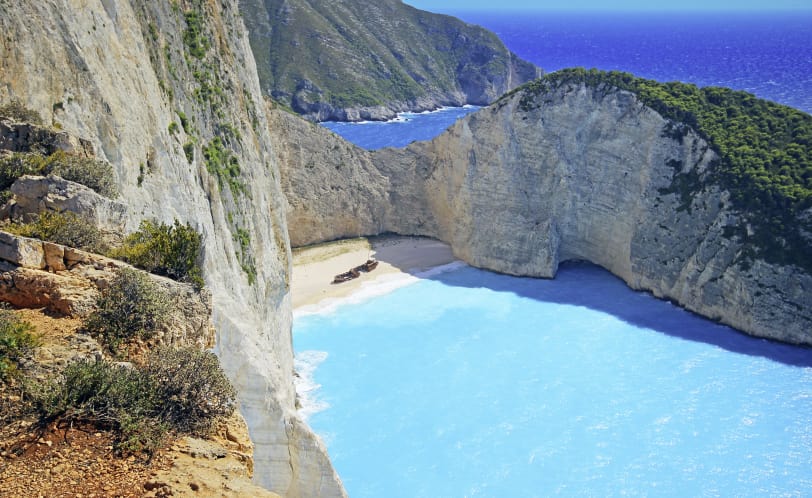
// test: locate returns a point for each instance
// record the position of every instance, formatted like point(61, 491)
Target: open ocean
point(768, 54)
point(465, 383)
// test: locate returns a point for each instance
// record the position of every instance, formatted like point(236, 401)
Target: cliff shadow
point(590, 286)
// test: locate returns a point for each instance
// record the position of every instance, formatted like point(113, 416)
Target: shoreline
point(314, 267)
point(399, 116)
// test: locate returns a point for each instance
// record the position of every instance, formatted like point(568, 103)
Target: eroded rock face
point(332, 188)
point(589, 176)
point(119, 74)
point(36, 194)
point(219, 466)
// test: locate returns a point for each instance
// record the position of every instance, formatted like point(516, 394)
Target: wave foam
point(305, 363)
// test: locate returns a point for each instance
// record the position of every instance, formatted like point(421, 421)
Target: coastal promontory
point(367, 60)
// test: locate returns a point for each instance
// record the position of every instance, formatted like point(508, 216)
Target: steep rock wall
point(587, 175)
point(332, 188)
point(119, 73)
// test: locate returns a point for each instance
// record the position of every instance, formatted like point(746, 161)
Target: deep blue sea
point(467, 383)
point(768, 54)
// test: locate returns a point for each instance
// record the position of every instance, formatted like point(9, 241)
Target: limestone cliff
point(167, 92)
point(368, 59)
point(584, 173)
point(332, 188)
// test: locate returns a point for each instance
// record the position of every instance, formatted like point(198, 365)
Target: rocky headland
point(369, 60)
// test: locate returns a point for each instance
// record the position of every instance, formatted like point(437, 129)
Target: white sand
point(315, 267)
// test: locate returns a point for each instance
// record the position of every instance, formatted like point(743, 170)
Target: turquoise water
point(469, 383)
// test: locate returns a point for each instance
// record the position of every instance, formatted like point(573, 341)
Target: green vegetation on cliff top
point(366, 53)
point(765, 152)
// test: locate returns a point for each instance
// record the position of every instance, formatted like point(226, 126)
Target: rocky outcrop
point(220, 466)
point(167, 92)
point(67, 281)
point(29, 137)
point(589, 174)
point(36, 194)
point(369, 59)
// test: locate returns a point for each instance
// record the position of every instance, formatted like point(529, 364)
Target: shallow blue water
point(470, 383)
point(402, 131)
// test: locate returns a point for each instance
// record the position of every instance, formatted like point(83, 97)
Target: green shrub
point(193, 388)
point(170, 250)
point(222, 163)
point(16, 111)
point(765, 154)
point(92, 173)
point(180, 390)
point(16, 343)
point(131, 307)
point(193, 36)
point(16, 165)
point(184, 122)
point(65, 228)
point(107, 395)
point(189, 150)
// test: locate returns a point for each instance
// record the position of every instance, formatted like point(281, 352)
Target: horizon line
point(807, 10)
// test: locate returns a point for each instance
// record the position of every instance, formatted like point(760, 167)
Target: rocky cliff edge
point(167, 92)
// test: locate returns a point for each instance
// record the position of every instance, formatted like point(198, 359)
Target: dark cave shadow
point(609, 294)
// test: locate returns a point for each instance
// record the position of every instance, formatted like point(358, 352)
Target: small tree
point(92, 173)
point(193, 389)
point(16, 111)
point(19, 164)
point(132, 307)
point(107, 395)
point(181, 390)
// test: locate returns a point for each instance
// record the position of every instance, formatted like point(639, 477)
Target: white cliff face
point(582, 175)
point(119, 73)
point(332, 188)
point(590, 175)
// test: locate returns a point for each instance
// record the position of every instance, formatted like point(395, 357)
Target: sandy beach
point(314, 267)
